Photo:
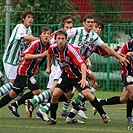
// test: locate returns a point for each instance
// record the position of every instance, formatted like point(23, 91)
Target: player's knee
point(95, 85)
point(86, 93)
point(123, 100)
point(131, 96)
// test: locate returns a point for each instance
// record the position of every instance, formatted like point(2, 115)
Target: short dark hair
point(99, 23)
point(68, 22)
point(27, 12)
point(60, 32)
point(43, 29)
point(88, 16)
point(66, 18)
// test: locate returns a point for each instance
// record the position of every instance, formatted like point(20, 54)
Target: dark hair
point(43, 29)
point(88, 16)
point(68, 22)
point(66, 18)
point(99, 23)
point(60, 32)
point(24, 14)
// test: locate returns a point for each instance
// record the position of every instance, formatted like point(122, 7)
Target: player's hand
point(124, 61)
point(128, 55)
point(45, 53)
point(48, 70)
point(82, 83)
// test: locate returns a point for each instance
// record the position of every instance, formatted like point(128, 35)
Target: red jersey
point(29, 67)
point(70, 60)
point(127, 47)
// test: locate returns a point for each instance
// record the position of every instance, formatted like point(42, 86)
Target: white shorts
point(54, 75)
point(10, 70)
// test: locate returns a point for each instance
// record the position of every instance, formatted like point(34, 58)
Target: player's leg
point(31, 103)
point(54, 105)
point(19, 84)
point(129, 103)
point(11, 72)
point(93, 100)
point(114, 100)
point(64, 112)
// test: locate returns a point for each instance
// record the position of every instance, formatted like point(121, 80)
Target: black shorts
point(127, 80)
point(66, 84)
point(24, 81)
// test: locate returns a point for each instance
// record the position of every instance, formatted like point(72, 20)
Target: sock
point(26, 96)
point(5, 100)
point(72, 113)
point(129, 108)
point(84, 99)
point(5, 88)
point(110, 101)
point(53, 109)
point(20, 95)
point(40, 98)
point(98, 107)
point(45, 108)
point(43, 103)
point(62, 98)
point(66, 105)
point(92, 90)
point(79, 98)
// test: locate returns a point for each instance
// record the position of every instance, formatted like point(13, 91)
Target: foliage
point(46, 11)
point(108, 11)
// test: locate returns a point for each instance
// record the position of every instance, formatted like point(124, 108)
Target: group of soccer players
point(68, 50)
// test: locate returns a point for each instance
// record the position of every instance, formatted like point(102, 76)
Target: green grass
point(94, 124)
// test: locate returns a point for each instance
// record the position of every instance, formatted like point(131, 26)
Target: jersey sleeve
point(123, 49)
point(52, 37)
point(50, 50)
point(98, 41)
point(71, 33)
point(31, 49)
point(21, 32)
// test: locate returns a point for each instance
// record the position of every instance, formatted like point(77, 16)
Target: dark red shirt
point(70, 60)
point(127, 47)
point(29, 67)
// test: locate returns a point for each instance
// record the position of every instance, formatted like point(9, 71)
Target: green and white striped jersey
point(16, 44)
point(83, 40)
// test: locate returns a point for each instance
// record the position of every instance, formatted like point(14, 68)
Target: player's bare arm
point(82, 82)
point(48, 69)
point(123, 61)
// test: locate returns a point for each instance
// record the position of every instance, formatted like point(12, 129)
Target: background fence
point(116, 15)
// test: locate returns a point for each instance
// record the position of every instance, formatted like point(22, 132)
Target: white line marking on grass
point(60, 128)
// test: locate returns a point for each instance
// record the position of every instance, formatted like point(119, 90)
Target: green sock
point(4, 89)
point(79, 98)
point(66, 105)
point(45, 108)
point(40, 98)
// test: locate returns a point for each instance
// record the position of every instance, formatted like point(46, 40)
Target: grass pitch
point(94, 124)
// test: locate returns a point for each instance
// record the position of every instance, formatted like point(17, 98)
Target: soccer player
point(74, 74)
point(32, 58)
point(97, 28)
point(53, 78)
point(18, 41)
point(125, 71)
point(87, 41)
point(67, 23)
